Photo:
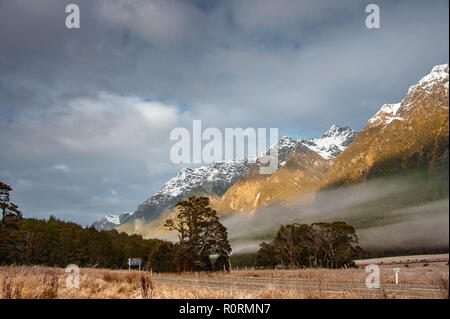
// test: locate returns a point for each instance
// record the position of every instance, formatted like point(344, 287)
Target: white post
point(396, 270)
point(151, 271)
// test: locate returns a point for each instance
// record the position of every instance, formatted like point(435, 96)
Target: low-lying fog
point(394, 213)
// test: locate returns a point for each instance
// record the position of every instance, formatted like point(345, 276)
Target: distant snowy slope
point(109, 222)
point(207, 180)
point(214, 180)
point(332, 142)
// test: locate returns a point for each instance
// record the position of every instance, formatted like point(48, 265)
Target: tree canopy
point(330, 245)
point(10, 212)
point(200, 235)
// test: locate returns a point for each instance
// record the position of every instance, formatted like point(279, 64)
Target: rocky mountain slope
point(211, 181)
point(391, 183)
point(302, 165)
point(214, 180)
point(412, 134)
point(299, 173)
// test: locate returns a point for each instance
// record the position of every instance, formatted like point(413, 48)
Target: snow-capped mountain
point(109, 222)
point(285, 147)
point(437, 78)
point(207, 180)
point(412, 134)
point(398, 137)
point(214, 180)
point(302, 164)
point(210, 177)
point(332, 142)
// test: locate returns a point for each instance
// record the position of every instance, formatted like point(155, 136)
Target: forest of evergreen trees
point(58, 243)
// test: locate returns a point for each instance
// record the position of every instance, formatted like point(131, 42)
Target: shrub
point(146, 286)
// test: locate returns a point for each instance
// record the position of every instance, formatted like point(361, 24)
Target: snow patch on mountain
point(190, 178)
point(109, 222)
point(283, 148)
point(113, 219)
point(391, 112)
point(332, 142)
point(386, 114)
point(438, 74)
point(214, 179)
point(217, 178)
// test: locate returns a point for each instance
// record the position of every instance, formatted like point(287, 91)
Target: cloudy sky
point(85, 114)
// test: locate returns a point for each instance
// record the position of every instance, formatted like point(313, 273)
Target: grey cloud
point(296, 65)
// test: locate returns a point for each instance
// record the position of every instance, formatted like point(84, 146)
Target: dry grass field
point(417, 280)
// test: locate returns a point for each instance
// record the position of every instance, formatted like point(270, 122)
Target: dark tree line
point(58, 243)
point(329, 245)
point(201, 236)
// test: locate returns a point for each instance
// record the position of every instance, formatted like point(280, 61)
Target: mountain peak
point(438, 74)
point(410, 135)
point(334, 141)
point(111, 221)
point(437, 79)
point(286, 142)
point(336, 130)
point(214, 180)
point(285, 138)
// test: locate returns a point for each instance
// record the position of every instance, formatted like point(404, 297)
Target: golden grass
point(34, 282)
point(412, 274)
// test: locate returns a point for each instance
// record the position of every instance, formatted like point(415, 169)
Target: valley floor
point(424, 277)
